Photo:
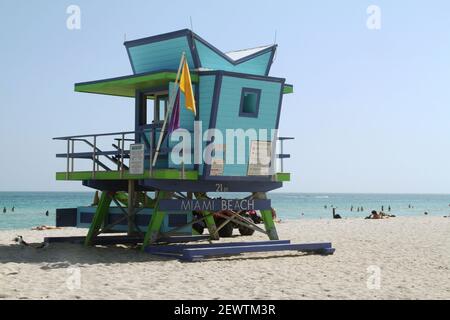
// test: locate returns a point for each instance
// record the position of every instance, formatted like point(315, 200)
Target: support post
point(156, 221)
point(73, 159)
point(68, 151)
point(209, 219)
point(131, 204)
point(267, 218)
point(100, 215)
point(122, 151)
point(94, 157)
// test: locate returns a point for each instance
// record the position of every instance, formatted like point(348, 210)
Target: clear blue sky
point(370, 113)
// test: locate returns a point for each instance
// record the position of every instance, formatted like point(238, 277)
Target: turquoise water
point(30, 207)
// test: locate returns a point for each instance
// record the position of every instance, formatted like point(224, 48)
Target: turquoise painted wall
point(211, 60)
point(228, 113)
point(207, 84)
point(160, 55)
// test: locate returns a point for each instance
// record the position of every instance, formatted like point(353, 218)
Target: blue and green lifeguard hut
point(162, 199)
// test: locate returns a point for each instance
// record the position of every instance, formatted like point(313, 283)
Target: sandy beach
point(410, 255)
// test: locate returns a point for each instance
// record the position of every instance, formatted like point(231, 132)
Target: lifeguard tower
point(151, 197)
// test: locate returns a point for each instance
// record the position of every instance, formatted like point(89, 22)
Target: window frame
point(258, 102)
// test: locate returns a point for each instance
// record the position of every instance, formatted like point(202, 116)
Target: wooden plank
point(170, 174)
point(100, 215)
point(200, 253)
point(181, 248)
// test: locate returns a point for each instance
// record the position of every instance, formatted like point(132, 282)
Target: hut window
point(250, 100)
point(161, 104)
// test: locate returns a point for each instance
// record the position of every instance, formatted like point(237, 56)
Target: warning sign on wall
point(137, 159)
point(260, 158)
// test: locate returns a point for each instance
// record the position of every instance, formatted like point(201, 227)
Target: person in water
point(12, 209)
point(47, 213)
point(4, 209)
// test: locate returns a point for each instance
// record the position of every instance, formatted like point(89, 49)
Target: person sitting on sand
point(383, 215)
point(375, 216)
point(42, 228)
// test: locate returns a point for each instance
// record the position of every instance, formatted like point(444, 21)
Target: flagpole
point(169, 110)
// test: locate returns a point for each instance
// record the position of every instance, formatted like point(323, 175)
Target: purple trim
point(126, 77)
point(191, 36)
point(269, 65)
point(214, 110)
point(131, 61)
point(242, 75)
point(280, 104)
point(239, 61)
point(210, 185)
point(157, 38)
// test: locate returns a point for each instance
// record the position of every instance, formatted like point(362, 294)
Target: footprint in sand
point(59, 265)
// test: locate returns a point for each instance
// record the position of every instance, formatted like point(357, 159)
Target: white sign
point(260, 158)
point(216, 167)
point(137, 159)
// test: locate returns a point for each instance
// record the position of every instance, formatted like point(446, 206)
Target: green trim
point(269, 224)
point(163, 174)
point(127, 86)
point(209, 219)
point(156, 221)
point(288, 88)
point(100, 216)
point(283, 177)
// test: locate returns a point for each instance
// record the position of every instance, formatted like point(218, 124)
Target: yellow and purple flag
point(186, 88)
point(174, 123)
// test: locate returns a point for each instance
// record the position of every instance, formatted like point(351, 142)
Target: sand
point(399, 258)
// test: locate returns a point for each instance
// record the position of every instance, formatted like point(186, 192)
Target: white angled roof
point(239, 54)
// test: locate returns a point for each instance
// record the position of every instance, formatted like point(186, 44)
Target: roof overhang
point(128, 85)
point(155, 81)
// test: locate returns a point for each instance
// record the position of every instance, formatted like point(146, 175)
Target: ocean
point(30, 207)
